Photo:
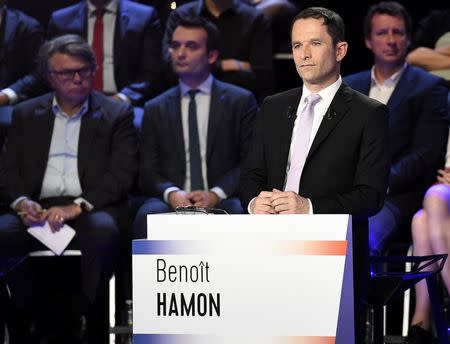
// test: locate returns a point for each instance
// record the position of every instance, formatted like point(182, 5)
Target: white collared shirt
point(203, 102)
point(383, 91)
point(109, 24)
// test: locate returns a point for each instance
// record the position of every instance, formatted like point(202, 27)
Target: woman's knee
point(437, 200)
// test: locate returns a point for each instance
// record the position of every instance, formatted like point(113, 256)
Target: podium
point(285, 279)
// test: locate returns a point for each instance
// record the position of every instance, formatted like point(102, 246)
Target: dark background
point(358, 57)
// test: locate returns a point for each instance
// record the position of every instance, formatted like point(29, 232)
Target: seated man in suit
point(126, 37)
point(20, 39)
point(417, 104)
point(71, 158)
point(195, 135)
point(245, 42)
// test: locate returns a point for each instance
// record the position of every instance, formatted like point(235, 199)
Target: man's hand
point(178, 199)
point(230, 65)
point(203, 198)
point(262, 204)
point(4, 99)
point(288, 202)
point(117, 97)
point(58, 215)
point(444, 176)
point(30, 212)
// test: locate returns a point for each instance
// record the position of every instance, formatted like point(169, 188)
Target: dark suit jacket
point(163, 162)
point(347, 165)
point(253, 45)
point(20, 39)
point(418, 130)
point(137, 45)
point(107, 149)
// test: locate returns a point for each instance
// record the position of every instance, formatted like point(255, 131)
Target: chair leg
point(438, 311)
point(378, 337)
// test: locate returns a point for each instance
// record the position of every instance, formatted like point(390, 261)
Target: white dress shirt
point(383, 91)
point(203, 101)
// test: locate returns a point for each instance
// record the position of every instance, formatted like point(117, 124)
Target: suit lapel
point(216, 112)
point(78, 24)
point(122, 21)
point(42, 127)
point(337, 110)
point(88, 127)
point(9, 25)
point(287, 117)
point(173, 114)
point(403, 88)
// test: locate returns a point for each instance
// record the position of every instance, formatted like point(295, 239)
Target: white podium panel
point(244, 279)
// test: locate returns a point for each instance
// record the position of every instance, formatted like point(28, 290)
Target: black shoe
point(418, 335)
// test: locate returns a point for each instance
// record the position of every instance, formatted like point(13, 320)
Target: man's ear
point(213, 55)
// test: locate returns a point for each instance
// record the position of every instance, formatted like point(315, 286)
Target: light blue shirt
point(61, 175)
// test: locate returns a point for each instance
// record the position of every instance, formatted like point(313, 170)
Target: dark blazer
point(107, 149)
point(137, 45)
point(163, 162)
point(418, 128)
point(347, 165)
point(20, 39)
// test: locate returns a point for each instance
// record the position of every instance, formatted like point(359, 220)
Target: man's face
point(388, 40)
point(315, 56)
point(71, 77)
point(189, 54)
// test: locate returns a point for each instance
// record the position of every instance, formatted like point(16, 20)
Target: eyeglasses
point(69, 74)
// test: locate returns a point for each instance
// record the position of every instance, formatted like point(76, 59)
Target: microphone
point(330, 114)
point(291, 112)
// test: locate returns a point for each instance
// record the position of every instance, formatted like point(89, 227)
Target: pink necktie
point(299, 149)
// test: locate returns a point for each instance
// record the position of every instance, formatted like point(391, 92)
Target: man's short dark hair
point(72, 45)
point(392, 8)
point(196, 22)
point(332, 20)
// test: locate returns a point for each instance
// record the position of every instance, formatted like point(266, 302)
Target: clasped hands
point(198, 198)
point(444, 176)
point(279, 202)
point(32, 214)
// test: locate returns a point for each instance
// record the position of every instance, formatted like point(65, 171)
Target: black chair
point(388, 279)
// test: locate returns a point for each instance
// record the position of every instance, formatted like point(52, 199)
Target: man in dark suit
point(321, 148)
point(417, 104)
point(245, 44)
point(172, 172)
point(131, 36)
point(20, 39)
point(70, 158)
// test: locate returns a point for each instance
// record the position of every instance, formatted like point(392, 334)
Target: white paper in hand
point(57, 241)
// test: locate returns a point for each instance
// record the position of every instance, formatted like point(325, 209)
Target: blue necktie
point(194, 145)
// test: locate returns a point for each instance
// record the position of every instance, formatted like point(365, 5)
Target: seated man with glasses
point(71, 158)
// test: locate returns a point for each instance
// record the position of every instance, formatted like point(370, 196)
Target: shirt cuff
point(14, 204)
point(124, 98)
point(88, 206)
point(311, 210)
point(168, 191)
point(219, 192)
point(249, 205)
point(11, 94)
